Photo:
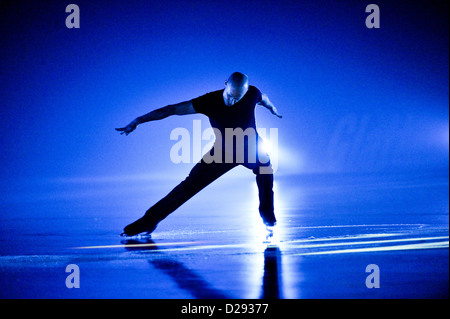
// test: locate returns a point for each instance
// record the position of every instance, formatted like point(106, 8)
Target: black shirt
point(241, 147)
point(239, 115)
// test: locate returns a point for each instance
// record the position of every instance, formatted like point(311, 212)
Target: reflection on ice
point(272, 284)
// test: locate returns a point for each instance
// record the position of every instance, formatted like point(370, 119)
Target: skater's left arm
point(268, 105)
point(183, 108)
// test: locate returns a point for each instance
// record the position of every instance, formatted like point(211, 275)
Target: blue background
point(363, 148)
point(353, 99)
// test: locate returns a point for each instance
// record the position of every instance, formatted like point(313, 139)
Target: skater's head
point(235, 87)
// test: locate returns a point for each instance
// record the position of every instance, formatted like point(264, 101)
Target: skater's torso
point(239, 116)
point(234, 126)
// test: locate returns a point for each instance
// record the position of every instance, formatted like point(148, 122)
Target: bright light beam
point(139, 245)
point(442, 244)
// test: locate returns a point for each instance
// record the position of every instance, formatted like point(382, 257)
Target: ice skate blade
point(270, 239)
point(271, 243)
point(138, 236)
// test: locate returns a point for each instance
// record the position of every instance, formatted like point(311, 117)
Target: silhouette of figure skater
point(229, 110)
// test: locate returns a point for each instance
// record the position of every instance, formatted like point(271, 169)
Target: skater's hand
point(129, 128)
point(268, 105)
point(275, 112)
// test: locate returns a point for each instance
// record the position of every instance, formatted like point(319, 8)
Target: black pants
point(201, 176)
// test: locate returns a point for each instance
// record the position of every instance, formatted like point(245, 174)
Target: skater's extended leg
point(200, 176)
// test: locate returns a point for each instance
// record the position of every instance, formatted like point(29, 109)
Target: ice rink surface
point(332, 229)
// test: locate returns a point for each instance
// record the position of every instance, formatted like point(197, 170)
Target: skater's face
point(232, 94)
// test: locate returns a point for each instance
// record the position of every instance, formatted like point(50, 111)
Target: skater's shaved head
point(238, 80)
point(235, 88)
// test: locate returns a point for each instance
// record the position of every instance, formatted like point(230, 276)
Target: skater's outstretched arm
point(182, 108)
point(268, 105)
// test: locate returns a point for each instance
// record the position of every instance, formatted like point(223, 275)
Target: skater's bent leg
point(264, 180)
point(200, 176)
point(265, 193)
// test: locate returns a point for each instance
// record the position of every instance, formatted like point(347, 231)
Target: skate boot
point(142, 225)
